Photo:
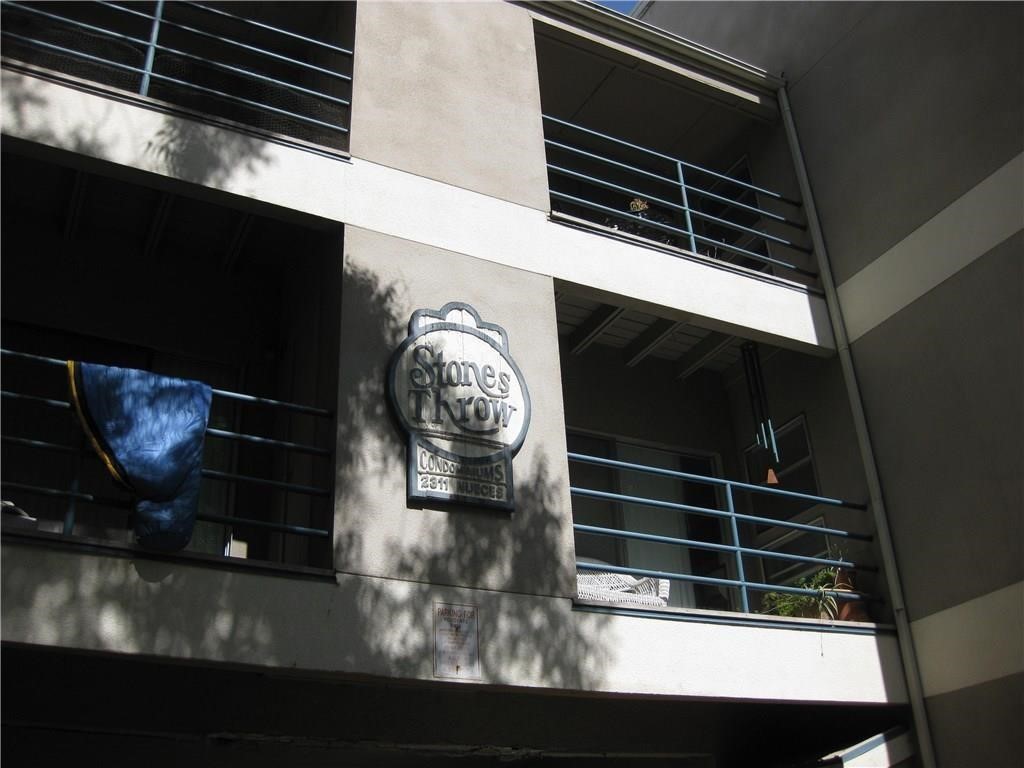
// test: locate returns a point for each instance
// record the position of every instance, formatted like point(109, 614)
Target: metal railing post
point(686, 205)
point(740, 575)
point(151, 48)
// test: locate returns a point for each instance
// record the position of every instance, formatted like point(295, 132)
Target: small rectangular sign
point(456, 641)
point(439, 477)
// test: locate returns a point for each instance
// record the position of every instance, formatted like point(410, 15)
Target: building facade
point(921, 210)
point(510, 312)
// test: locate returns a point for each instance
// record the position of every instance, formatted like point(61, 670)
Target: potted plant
point(821, 605)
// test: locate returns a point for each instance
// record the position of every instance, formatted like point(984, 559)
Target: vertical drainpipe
point(906, 643)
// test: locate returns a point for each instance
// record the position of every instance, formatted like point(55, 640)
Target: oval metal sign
point(462, 399)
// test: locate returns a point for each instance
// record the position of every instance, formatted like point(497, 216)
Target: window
point(795, 473)
point(624, 515)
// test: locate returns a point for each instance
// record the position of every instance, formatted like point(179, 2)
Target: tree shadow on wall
point(526, 637)
point(205, 154)
point(187, 149)
point(377, 625)
point(522, 559)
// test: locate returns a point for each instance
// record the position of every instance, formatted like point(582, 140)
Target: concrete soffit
point(734, 82)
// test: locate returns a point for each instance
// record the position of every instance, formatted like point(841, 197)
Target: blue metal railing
point(595, 174)
point(74, 495)
point(201, 66)
point(732, 518)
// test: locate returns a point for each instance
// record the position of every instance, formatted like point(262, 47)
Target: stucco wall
point(383, 627)
point(449, 91)
point(901, 107)
point(85, 130)
point(529, 550)
point(944, 377)
point(912, 124)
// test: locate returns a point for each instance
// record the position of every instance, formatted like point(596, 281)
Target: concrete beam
point(702, 353)
point(649, 340)
point(592, 328)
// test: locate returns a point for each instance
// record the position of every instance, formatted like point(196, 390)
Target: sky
point(622, 6)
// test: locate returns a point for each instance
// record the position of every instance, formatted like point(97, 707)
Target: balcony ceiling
point(83, 215)
point(638, 335)
point(635, 100)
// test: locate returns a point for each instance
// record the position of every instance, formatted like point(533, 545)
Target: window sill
point(89, 546)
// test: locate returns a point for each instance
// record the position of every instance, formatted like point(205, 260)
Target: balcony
point(671, 444)
point(653, 198)
point(649, 146)
point(283, 71)
point(643, 562)
point(104, 270)
point(50, 469)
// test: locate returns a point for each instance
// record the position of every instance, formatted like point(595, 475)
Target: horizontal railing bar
point(672, 576)
point(185, 84)
point(77, 495)
point(41, 444)
point(673, 181)
point(604, 567)
point(34, 358)
point(285, 32)
point(80, 24)
point(225, 434)
point(752, 208)
point(298, 408)
point(308, 490)
point(72, 52)
point(677, 206)
point(671, 159)
point(251, 48)
point(118, 503)
point(684, 233)
point(219, 392)
point(254, 75)
point(34, 399)
point(716, 547)
point(213, 432)
point(298, 530)
point(615, 463)
point(608, 496)
point(210, 473)
point(248, 102)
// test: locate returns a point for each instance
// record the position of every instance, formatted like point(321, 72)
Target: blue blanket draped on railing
point(149, 432)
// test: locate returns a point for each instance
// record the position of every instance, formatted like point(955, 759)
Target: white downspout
point(906, 643)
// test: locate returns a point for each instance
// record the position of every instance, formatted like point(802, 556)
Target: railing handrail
point(105, 501)
point(721, 513)
point(725, 228)
point(676, 230)
point(679, 207)
point(717, 547)
point(301, 122)
point(714, 481)
point(736, 549)
point(675, 160)
point(673, 181)
point(271, 28)
point(74, 494)
point(308, 409)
